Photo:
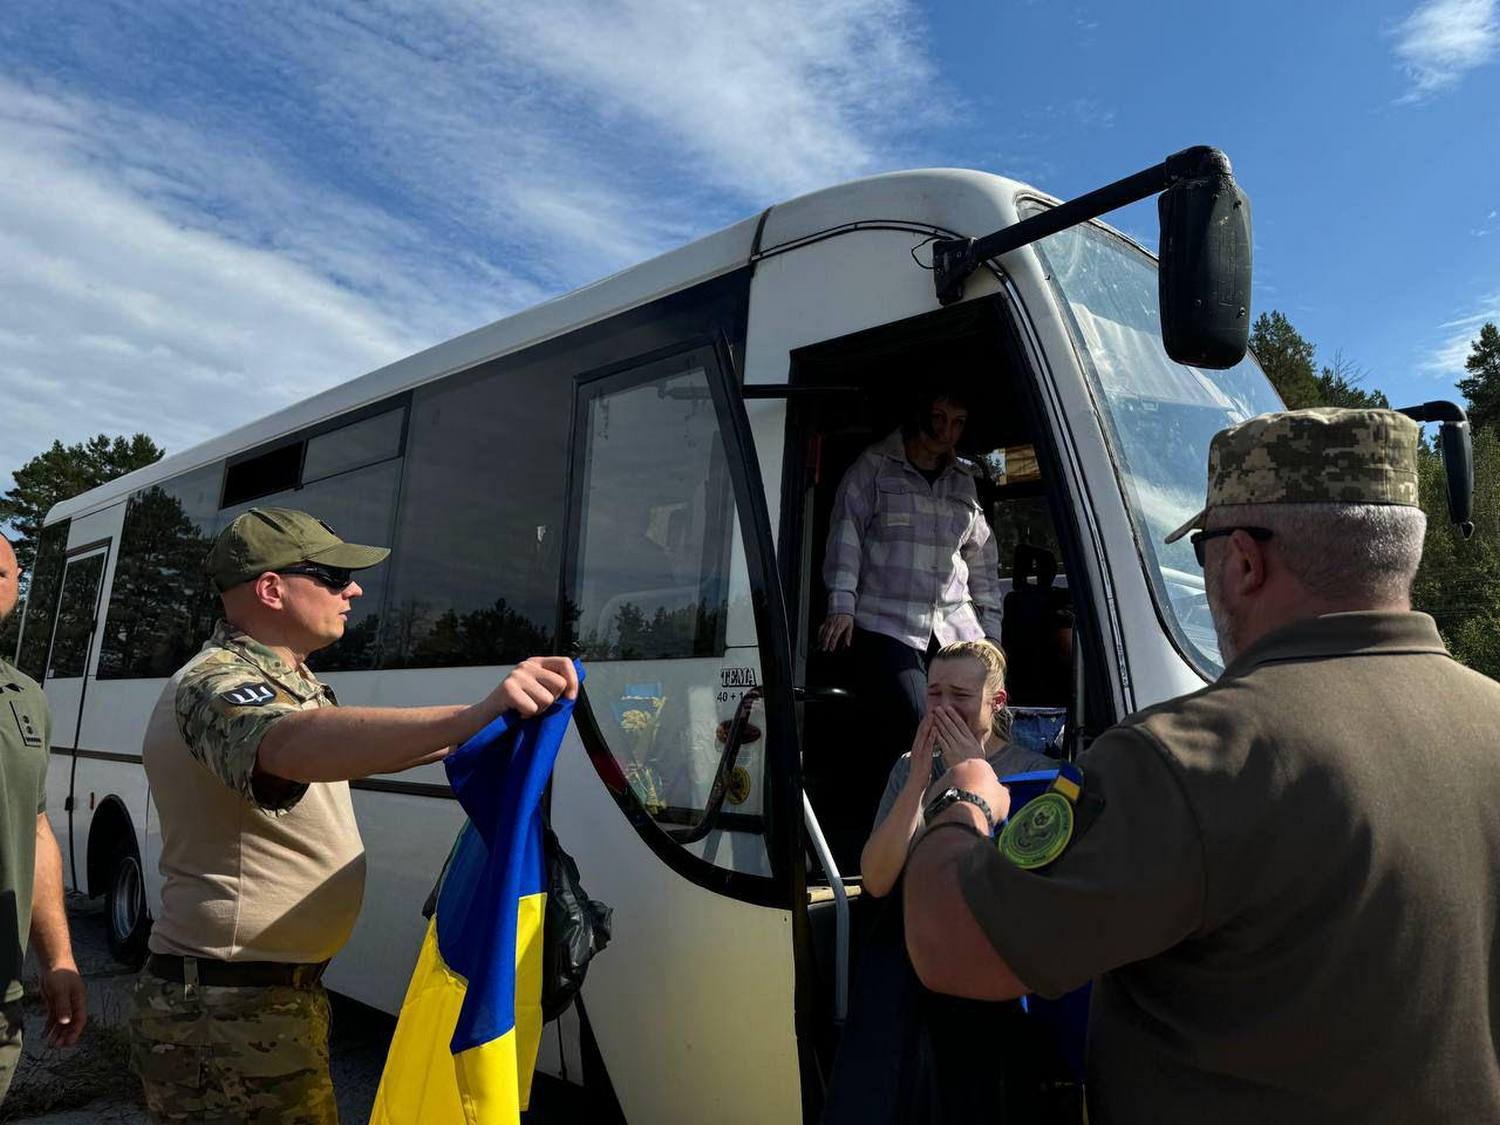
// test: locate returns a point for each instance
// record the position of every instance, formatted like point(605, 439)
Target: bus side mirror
point(1458, 468)
point(1458, 457)
point(1204, 272)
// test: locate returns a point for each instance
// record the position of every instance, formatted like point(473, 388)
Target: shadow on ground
point(91, 1084)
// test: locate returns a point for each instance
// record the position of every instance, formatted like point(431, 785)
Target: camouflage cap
point(1326, 455)
point(265, 539)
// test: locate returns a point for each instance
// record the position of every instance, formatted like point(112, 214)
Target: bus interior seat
point(1039, 667)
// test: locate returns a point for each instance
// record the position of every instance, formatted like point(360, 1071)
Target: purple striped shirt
point(910, 559)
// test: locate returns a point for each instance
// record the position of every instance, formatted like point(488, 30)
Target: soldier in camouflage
point(1286, 885)
point(249, 758)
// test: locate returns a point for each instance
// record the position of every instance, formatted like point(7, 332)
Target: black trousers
point(890, 681)
point(908, 1056)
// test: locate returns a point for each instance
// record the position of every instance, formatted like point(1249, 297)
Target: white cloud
point(206, 213)
point(1442, 40)
point(1446, 359)
point(115, 318)
point(775, 97)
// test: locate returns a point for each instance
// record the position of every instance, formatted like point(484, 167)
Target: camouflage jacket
point(228, 696)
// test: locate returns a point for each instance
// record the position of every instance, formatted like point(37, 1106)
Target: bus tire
point(126, 919)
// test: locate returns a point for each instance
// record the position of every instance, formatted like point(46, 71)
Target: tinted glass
point(656, 522)
point(41, 600)
point(354, 446)
point(360, 507)
point(75, 617)
point(263, 475)
point(475, 568)
point(1160, 415)
point(660, 603)
point(161, 605)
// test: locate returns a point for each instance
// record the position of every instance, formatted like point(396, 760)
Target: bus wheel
point(125, 916)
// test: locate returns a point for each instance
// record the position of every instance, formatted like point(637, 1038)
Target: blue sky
point(207, 212)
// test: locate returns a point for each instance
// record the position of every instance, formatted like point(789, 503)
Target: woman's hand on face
point(921, 752)
point(959, 743)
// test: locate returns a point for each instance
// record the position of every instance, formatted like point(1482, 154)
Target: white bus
point(641, 472)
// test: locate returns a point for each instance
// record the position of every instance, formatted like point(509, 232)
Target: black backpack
point(574, 928)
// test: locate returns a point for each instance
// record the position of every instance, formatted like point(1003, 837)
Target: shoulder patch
point(25, 725)
point(1039, 833)
point(249, 695)
point(1042, 829)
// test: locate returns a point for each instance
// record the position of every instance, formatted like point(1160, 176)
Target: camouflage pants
point(216, 1054)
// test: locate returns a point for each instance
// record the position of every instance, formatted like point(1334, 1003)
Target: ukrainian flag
point(467, 1036)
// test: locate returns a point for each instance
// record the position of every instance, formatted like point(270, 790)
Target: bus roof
point(947, 199)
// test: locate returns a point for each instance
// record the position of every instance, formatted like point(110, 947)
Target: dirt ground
point(92, 1084)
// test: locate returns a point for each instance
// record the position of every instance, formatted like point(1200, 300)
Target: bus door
point(685, 811)
point(68, 662)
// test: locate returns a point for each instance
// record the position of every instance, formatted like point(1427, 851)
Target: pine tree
point(1339, 385)
point(1287, 359)
point(1482, 387)
point(64, 471)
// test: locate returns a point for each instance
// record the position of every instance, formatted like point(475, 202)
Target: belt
point(235, 974)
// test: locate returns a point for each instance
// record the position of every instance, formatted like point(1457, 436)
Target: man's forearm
point(947, 948)
point(343, 743)
point(49, 918)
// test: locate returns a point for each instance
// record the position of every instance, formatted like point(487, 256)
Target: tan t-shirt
point(253, 871)
point(1290, 894)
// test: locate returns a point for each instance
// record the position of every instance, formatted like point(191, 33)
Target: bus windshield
point(1159, 415)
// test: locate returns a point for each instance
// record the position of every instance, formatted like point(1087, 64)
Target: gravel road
point(92, 1084)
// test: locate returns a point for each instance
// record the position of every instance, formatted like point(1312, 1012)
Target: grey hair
point(1342, 552)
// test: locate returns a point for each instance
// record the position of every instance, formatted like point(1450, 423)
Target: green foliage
point(10, 632)
point(64, 471)
point(1287, 359)
point(1459, 581)
point(1482, 387)
point(1339, 386)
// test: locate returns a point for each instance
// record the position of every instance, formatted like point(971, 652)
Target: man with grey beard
point(1286, 886)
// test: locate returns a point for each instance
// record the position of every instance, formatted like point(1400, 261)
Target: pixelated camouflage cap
point(265, 539)
point(1325, 455)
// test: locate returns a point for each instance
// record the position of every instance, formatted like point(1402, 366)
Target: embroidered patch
point(30, 735)
point(249, 695)
point(1039, 832)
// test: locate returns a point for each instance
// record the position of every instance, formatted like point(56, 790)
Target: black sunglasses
point(336, 578)
point(1259, 534)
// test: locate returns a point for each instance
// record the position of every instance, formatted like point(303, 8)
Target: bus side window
point(161, 604)
point(41, 601)
point(656, 596)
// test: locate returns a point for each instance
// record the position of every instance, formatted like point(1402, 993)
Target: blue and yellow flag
point(467, 1036)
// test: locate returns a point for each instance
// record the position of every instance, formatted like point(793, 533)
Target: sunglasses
point(1259, 534)
point(336, 578)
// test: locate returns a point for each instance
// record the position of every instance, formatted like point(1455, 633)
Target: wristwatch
point(952, 795)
